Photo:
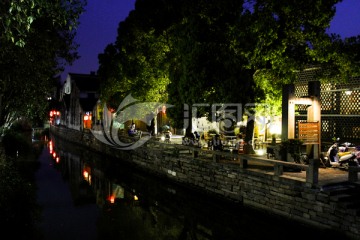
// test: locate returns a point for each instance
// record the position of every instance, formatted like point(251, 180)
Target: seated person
point(196, 136)
point(133, 132)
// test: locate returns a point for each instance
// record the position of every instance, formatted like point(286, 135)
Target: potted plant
point(292, 147)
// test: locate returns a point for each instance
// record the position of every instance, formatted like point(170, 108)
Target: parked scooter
point(342, 155)
point(166, 137)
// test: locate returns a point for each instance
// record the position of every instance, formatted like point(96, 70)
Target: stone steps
point(346, 194)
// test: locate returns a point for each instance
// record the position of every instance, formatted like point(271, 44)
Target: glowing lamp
point(260, 152)
point(348, 92)
point(85, 174)
point(275, 129)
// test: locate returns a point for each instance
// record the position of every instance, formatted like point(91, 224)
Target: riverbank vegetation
point(36, 41)
point(19, 210)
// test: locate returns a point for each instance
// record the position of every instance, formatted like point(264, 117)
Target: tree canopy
point(36, 41)
point(229, 51)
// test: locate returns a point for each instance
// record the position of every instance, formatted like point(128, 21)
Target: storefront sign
point(309, 132)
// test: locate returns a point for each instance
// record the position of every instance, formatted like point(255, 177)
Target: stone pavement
point(327, 175)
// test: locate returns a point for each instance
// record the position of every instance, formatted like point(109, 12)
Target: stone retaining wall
point(282, 195)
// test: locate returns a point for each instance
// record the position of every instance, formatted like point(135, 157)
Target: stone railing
point(243, 160)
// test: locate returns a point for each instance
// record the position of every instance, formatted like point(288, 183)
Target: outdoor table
point(230, 139)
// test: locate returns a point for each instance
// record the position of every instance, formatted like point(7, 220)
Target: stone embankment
point(251, 181)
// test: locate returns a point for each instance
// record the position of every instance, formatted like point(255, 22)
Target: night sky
point(98, 28)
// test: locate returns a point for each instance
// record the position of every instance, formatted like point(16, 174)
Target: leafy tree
point(208, 66)
point(291, 35)
point(17, 16)
point(268, 43)
point(34, 54)
point(340, 59)
point(227, 52)
point(136, 63)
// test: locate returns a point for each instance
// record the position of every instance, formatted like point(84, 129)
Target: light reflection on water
point(90, 196)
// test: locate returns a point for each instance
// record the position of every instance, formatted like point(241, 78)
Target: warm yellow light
point(260, 152)
point(112, 199)
point(136, 198)
point(275, 129)
point(50, 147)
point(85, 174)
point(348, 92)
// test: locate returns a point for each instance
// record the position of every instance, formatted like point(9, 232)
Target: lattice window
point(356, 132)
point(350, 103)
point(340, 110)
point(301, 90)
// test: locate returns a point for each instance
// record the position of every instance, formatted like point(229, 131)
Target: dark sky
point(98, 28)
point(347, 19)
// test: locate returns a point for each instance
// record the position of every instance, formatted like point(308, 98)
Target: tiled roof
point(86, 82)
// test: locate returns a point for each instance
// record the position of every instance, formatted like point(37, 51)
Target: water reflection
point(135, 205)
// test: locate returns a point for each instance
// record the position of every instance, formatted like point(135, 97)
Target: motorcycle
point(342, 155)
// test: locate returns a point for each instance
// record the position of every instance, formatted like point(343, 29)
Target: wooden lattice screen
point(340, 107)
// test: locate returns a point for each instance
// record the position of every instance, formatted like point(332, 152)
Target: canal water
point(85, 195)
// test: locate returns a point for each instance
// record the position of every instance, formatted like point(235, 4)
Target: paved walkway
point(328, 176)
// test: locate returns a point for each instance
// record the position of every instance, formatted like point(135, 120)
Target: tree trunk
point(248, 147)
point(188, 131)
point(188, 124)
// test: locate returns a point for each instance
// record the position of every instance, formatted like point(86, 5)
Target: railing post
point(214, 156)
point(312, 174)
point(243, 162)
point(195, 152)
point(353, 173)
point(278, 169)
